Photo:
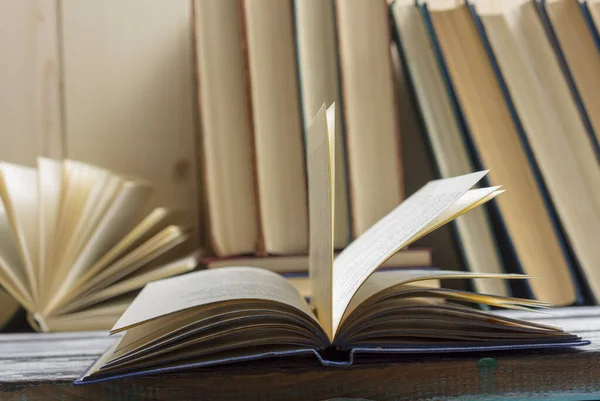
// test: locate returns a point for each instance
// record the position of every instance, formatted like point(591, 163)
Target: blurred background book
point(210, 99)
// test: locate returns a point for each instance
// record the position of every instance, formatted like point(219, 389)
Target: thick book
point(496, 136)
point(369, 110)
point(74, 252)
point(269, 53)
point(319, 82)
point(236, 314)
point(227, 160)
point(552, 123)
point(446, 139)
point(577, 49)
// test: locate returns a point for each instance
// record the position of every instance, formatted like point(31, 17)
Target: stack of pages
point(74, 252)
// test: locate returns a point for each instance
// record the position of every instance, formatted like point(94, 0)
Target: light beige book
point(496, 138)
point(319, 82)
point(277, 125)
point(413, 257)
point(227, 154)
point(552, 123)
point(73, 250)
point(235, 314)
point(581, 53)
point(369, 110)
point(447, 141)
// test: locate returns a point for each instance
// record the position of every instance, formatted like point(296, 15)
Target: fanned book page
point(237, 313)
point(73, 249)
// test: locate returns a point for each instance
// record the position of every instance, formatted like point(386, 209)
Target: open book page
point(20, 196)
point(377, 286)
point(175, 294)
point(12, 270)
point(133, 282)
point(472, 199)
point(321, 182)
point(50, 187)
point(117, 218)
point(394, 231)
point(151, 225)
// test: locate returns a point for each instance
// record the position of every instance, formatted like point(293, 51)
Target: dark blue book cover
point(504, 241)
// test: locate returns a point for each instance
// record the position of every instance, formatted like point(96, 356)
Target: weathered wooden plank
point(43, 337)
point(543, 376)
point(566, 375)
point(54, 348)
point(43, 369)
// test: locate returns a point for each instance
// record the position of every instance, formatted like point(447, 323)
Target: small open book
point(234, 314)
point(74, 250)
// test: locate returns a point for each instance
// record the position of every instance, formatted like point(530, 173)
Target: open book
point(72, 251)
point(234, 314)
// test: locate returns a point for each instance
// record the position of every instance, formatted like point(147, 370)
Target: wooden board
point(41, 367)
point(129, 93)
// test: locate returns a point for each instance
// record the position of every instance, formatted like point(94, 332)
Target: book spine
point(343, 112)
point(390, 39)
point(260, 243)
point(552, 214)
point(353, 187)
point(205, 231)
point(504, 242)
point(585, 10)
point(564, 66)
point(431, 155)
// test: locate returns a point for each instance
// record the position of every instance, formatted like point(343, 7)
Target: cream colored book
point(224, 116)
point(552, 123)
point(236, 314)
point(320, 82)
point(495, 136)
point(74, 250)
point(447, 140)
point(268, 36)
point(369, 110)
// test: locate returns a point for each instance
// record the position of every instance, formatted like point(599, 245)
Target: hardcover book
point(238, 313)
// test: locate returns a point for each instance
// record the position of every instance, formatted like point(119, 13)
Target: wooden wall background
point(109, 82)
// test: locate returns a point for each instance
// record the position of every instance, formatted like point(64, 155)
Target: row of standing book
point(508, 86)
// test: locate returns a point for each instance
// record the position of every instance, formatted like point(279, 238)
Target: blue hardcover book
point(590, 23)
point(238, 314)
point(507, 244)
point(542, 8)
point(582, 293)
point(444, 134)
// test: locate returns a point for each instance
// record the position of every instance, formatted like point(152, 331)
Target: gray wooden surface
point(41, 367)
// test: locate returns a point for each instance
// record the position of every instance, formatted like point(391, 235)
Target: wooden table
point(42, 366)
